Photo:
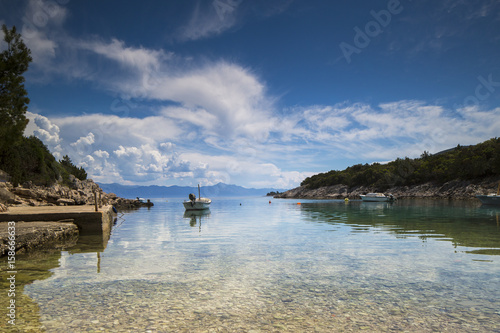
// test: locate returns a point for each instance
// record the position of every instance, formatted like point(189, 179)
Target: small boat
point(197, 203)
point(490, 199)
point(377, 197)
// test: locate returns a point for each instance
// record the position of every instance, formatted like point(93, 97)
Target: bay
point(250, 265)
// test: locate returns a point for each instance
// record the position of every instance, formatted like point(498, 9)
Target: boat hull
point(197, 204)
point(367, 199)
point(376, 198)
point(489, 199)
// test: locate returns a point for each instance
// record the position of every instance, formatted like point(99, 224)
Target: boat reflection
point(196, 216)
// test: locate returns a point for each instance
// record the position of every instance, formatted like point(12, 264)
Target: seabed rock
point(36, 235)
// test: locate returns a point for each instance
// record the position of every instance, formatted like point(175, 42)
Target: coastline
point(40, 217)
point(456, 189)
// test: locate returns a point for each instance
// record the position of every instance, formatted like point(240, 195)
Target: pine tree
point(14, 61)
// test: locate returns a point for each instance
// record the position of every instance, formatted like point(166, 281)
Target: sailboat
point(197, 203)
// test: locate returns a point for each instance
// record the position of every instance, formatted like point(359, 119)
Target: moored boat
point(377, 197)
point(197, 203)
point(490, 199)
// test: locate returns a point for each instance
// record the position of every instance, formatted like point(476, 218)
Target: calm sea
point(253, 266)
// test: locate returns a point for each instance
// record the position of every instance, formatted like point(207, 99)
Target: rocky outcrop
point(4, 176)
point(79, 192)
point(125, 204)
point(455, 189)
point(37, 235)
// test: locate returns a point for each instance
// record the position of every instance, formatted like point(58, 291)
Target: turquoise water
point(254, 266)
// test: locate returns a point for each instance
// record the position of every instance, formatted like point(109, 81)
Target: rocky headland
point(78, 192)
point(455, 189)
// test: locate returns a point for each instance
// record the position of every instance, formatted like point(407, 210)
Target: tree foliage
point(14, 61)
point(463, 163)
point(31, 161)
point(72, 169)
point(24, 159)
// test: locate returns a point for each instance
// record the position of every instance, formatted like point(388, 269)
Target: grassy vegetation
point(462, 163)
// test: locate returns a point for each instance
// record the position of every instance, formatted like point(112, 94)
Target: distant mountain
point(154, 191)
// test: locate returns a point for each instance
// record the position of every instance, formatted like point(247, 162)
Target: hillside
point(458, 172)
point(461, 163)
point(29, 160)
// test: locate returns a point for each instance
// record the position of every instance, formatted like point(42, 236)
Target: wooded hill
point(461, 163)
point(30, 160)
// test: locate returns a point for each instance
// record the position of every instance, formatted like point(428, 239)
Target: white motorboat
point(197, 203)
point(377, 197)
point(490, 199)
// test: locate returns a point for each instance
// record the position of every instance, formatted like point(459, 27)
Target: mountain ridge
point(176, 191)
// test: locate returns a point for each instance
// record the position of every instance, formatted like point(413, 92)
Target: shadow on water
point(463, 223)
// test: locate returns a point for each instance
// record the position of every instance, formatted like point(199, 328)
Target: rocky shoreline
point(78, 192)
point(36, 235)
point(455, 189)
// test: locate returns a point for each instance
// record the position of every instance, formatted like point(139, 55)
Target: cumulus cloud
point(215, 121)
point(359, 131)
point(84, 143)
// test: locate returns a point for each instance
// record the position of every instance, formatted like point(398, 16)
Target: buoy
point(346, 199)
point(298, 203)
point(269, 201)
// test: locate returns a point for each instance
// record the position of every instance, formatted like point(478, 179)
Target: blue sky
point(256, 93)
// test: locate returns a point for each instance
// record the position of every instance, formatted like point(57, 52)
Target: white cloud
point(101, 154)
point(167, 146)
point(138, 58)
point(209, 19)
point(130, 150)
point(41, 17)
point(83, 145)
point(219, 97)
point(212, 18)
point(216, 122)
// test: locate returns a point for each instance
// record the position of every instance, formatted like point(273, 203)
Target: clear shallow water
point(321, 266)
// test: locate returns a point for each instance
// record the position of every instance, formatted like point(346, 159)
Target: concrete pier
point(79, 227)
point(85, 217)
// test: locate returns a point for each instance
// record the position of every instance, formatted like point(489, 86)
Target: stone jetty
point(47, 214)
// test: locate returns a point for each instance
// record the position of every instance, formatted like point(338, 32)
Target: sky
point(260, 93)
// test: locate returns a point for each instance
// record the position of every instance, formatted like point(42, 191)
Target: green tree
point(72, 169)
point(14, 61)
